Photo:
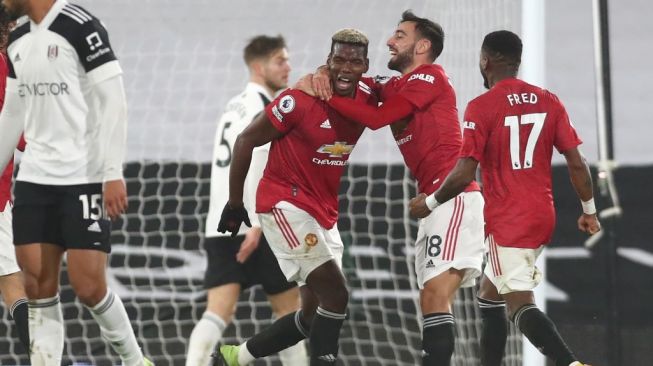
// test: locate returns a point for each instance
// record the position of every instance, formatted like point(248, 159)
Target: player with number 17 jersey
point(304, 168)
point(511, 131)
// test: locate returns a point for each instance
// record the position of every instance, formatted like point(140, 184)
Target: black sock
point(494, 332)
point(325, 333)
point(283, 333)
point(18, 311)
point(542, 333)
point(437, 339)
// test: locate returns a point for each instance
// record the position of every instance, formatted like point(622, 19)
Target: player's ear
point(367, 65)
point(328, 60)
point(484, 61)
point(423, 46)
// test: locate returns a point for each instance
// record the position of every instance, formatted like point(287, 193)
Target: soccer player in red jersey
point(297, 202)
point(511, 131)
point(420, 107)
point(11, 281)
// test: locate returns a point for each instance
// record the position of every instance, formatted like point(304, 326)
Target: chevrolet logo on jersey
point(338, 149)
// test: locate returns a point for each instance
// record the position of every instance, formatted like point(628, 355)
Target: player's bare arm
point(456, 182)
point(249, 244)
point(258, 133)
point(581, 179)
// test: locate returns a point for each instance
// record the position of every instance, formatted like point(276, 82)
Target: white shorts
point(8, 263)
point(451, 237)
point(299, 242)
point(512, 269)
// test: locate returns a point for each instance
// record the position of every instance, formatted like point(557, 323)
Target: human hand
point(589, 224)
point(322, 83)
point(305, 84)
point(418, 208)
point(249, 244)
point(232, 217)
point(115, 198)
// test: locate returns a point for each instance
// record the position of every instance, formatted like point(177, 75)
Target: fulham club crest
point(53, 52)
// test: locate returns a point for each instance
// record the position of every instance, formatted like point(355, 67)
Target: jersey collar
point(50, 16)
point(258, 88)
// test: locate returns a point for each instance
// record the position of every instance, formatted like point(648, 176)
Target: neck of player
point(38, 9)
point(261, 81)
point(501, 75)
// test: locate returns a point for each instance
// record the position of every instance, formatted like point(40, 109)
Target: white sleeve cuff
point(431, 202)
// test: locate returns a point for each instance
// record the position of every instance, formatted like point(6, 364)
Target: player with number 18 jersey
point(511, 131)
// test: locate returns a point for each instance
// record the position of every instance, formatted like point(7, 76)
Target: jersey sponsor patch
point(467, 125)
point(424, 77)
point(287, 104)
point(337, 149)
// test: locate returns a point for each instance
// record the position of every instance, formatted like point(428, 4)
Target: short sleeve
point(565, 134)
point(475, 132)
point(423, 87)
point(287, 110)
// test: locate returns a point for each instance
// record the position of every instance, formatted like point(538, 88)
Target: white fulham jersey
point(238, 114)
point(53, 66)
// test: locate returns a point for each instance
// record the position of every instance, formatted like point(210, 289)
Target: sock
point(437, 339)
point(494, 332)
point(294, 355)
point(46, 331)
point(283, 333)
point(325, 333)
point(542, 333)
point(115, 327)
point(205, 336)
point(18, 312)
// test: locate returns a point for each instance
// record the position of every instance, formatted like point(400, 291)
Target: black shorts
point(260, 268)
point(69, 216)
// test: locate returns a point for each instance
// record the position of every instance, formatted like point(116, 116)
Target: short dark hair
point(262, 46)
point(503, 45)
point(427, 29)
point(5, 26)
point(350, 36)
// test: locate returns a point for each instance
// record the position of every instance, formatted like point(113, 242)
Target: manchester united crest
point(310, 240)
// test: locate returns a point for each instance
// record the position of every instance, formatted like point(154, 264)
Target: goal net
point(182, 62)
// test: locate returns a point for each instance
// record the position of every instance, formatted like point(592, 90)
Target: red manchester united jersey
point(511, 131)
point(430, 140)
point(5, 178)
point(305, 165)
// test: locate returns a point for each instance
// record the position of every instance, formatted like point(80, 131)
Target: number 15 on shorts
point(91, 206)
point(432, 247)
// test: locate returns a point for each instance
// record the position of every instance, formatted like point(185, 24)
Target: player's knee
point(336, 300)
point(434, 300)
point(89, 295)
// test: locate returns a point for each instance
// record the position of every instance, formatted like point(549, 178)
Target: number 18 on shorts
point(452, 236)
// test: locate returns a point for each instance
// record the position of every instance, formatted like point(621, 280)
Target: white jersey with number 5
point(53, 66)
point(238, 114)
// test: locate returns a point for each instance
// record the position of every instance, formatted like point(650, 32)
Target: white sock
point(46, 331)
point(244, 357)
point(116, 329)
point(205, 336)
point(294, 355)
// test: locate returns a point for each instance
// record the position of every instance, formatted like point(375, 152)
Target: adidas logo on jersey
point(328, 358)
point(430, 264)
point(17, 58)
point(325, 124)
point(95, 227)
